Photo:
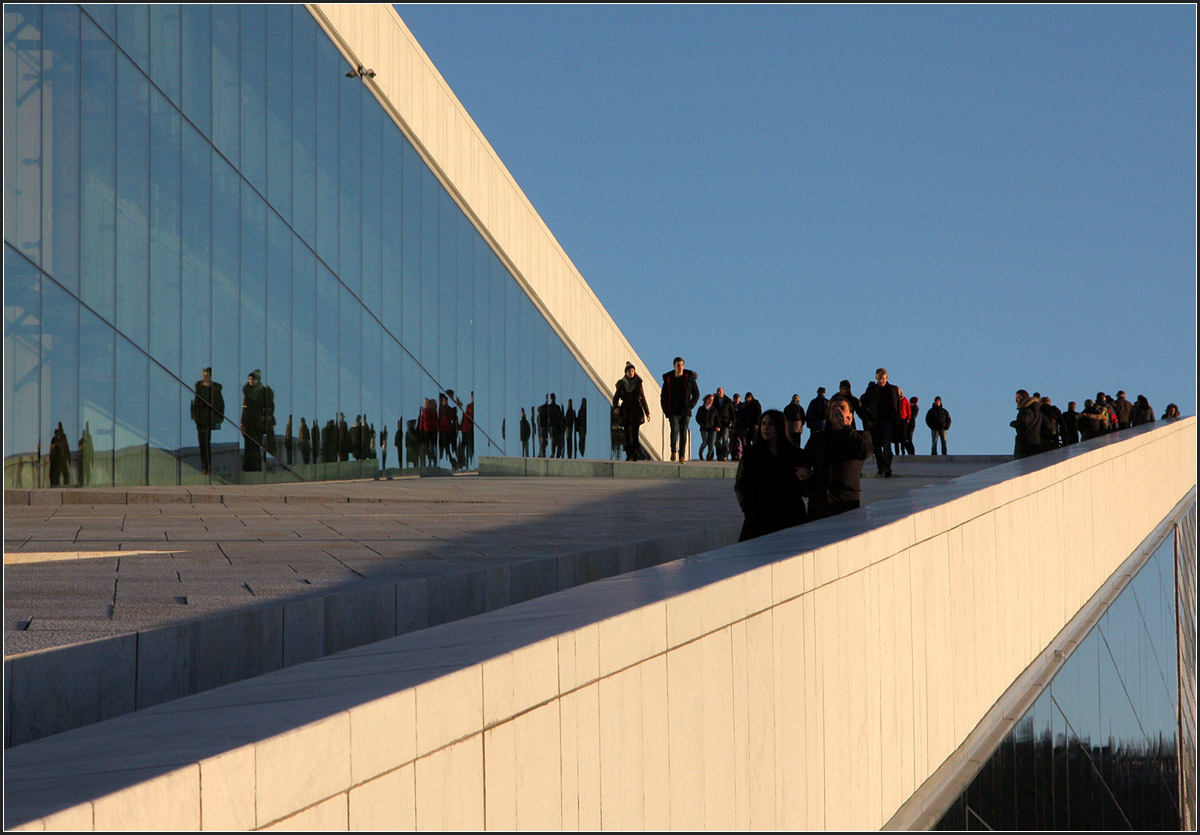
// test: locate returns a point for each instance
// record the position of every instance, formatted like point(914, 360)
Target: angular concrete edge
point(55, 690)
point(785, 682)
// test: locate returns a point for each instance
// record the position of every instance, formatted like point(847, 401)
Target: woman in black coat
point(629, 405)
point(768, 483)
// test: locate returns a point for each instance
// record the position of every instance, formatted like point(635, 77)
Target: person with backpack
point(1052, 421)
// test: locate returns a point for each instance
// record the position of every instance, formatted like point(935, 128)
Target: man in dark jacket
point(557, 424)
point(679, 395)
point(836, 455)
point(938, 421)
point(526, 431)
point(723, 424)
point(569, 418)
point(817, 413)
point(880, 405)
point(1070, 425)
point(208, 411)
point(581, 420)
point(1051, 424)
point(793, 416)
point(258, 418)
point(749, 419)
point(706, 416)
point(542, 419)
point(1028, 425)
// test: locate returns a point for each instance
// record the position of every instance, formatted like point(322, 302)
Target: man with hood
point(208, 411)
point(258, 418)
point(1028, 425)
point(678, 397)
point(629, 402)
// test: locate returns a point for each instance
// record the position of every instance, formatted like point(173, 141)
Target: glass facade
point(1110, 742)
point(203, 186)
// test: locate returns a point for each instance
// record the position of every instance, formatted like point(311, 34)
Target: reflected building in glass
point(227, 188)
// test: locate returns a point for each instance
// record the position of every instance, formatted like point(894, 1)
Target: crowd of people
point(1041, 426)
point(560, 433)
point(778, 471)
point(444, 430)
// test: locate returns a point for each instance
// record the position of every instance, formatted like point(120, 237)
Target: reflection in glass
point(195, 217)
point(60, 64)
point(166, 183)
point(97, 211)
point(22, 355)
point(1099, 748)
point(22, 129)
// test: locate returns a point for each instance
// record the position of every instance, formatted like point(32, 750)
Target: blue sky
point(979, 198)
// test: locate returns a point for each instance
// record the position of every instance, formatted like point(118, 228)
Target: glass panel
point(97, 371)
point(446, 290)
point(464, 306)
point(133, 32)
point(253, 309)
point(371, 217)
point(485, 413)
point(226, 294)
point(196, 74)
point(98, 171)
point(279, 108)
point(168, 402)
point(304, 125)
point(165, 49)
point(391, 406)
point(197, 330)
point(253, 78)
point(133, 203)
point(430, 276)
point(60, 134)
point(226, 82)
point(166, 217)
point(60, 372)
point(329, 77)
point(350, 360)
point(327, 377)
point(279, 328)
point(23, 129)
point(132, 416)
point(105, 16)
point(303, 332)
point(390, 232)
point(505, 421)
point(350, 174)
point(22, 355)
point(410, 255)
point(372, 380)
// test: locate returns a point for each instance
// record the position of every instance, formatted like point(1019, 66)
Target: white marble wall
point(808, 680)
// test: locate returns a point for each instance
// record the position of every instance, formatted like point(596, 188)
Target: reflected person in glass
point(208, 412)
